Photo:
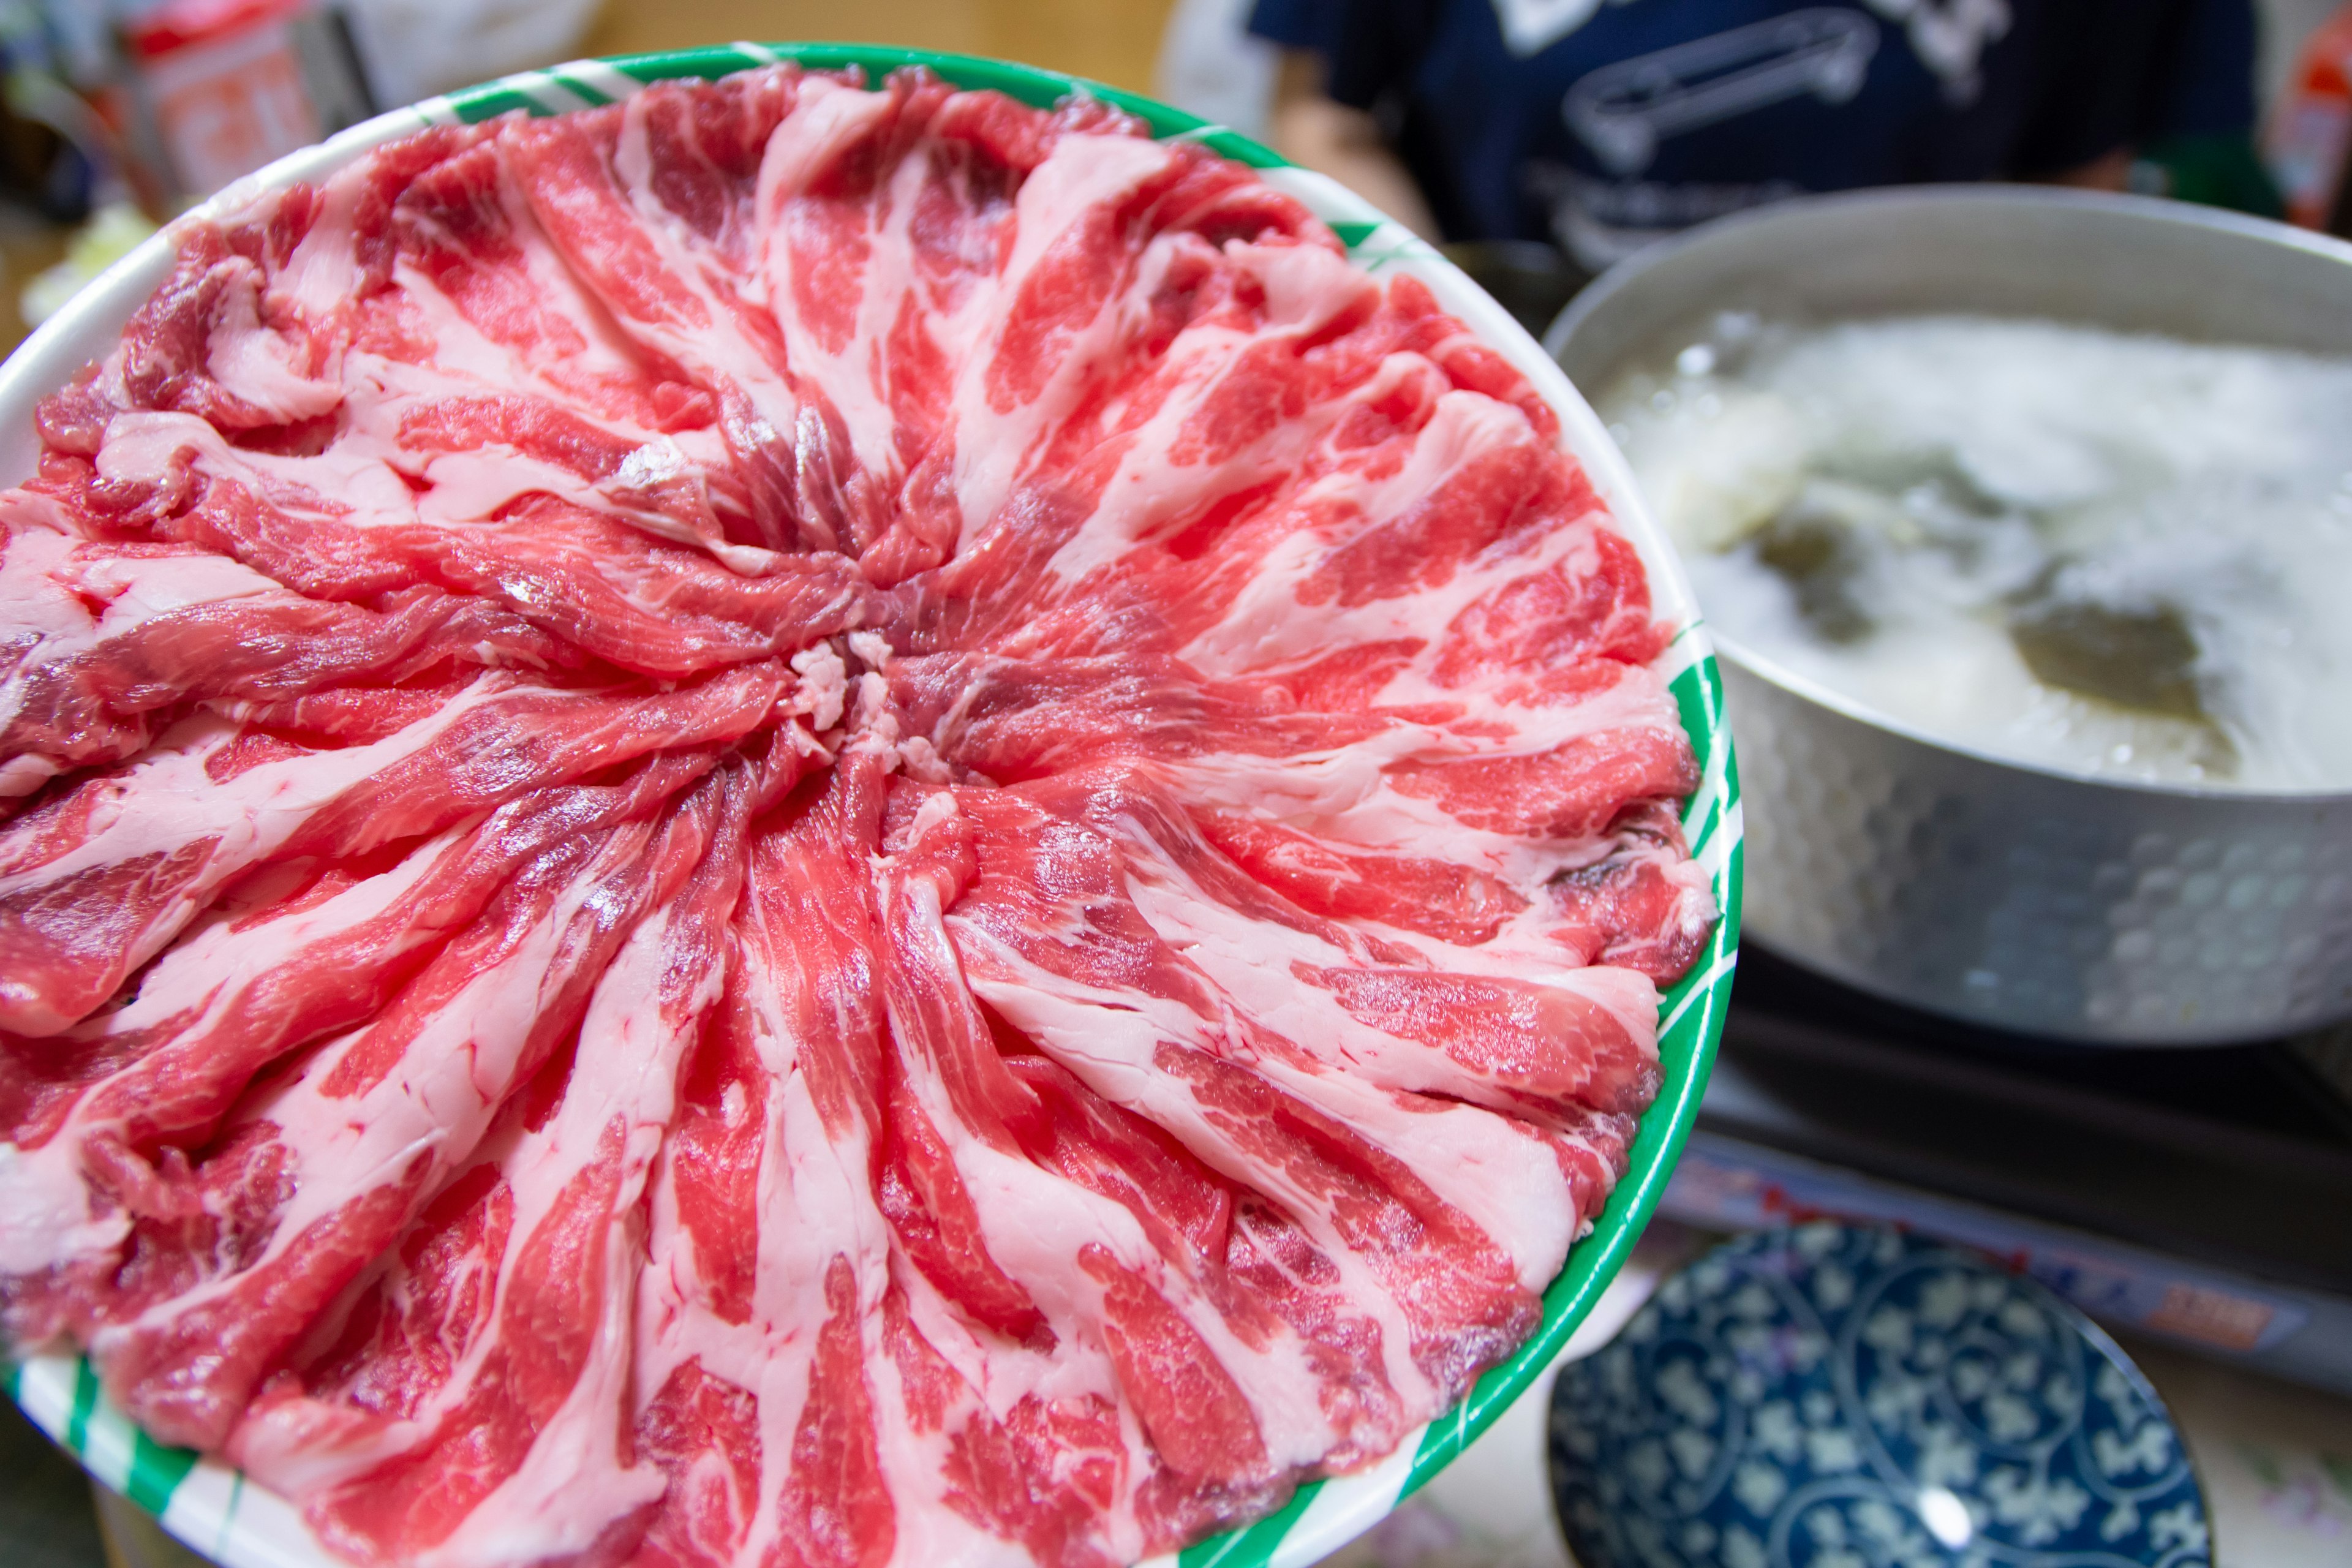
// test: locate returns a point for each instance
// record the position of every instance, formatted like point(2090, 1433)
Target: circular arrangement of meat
point(797, 825)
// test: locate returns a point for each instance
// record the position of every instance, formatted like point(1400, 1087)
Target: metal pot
point(2019, 896)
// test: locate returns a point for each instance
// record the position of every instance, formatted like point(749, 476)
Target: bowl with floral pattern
point(1833, 1396)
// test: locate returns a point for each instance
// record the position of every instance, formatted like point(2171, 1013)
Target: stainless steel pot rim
point(1731, 650)
point(1597, 295)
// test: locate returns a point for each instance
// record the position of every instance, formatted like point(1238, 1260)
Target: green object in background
point(2212, 170)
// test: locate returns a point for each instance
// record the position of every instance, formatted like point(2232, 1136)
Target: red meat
point(791, 825)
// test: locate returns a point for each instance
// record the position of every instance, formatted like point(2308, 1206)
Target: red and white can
point(228, 86)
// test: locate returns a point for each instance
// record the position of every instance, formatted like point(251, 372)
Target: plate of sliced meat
point(804, 804)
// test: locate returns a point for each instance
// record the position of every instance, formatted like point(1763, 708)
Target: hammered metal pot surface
point(2008, 895)
point(2031, 901)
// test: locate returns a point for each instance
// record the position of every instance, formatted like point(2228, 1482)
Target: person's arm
point(1311, 130)
point(2109, 172)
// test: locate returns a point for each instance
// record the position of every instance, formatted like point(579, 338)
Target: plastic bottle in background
point(413, 49)
point(2309, 142)
point(1210, 66)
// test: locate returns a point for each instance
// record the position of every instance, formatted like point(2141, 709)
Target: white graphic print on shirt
point(1623, 112)
point(1949, 35)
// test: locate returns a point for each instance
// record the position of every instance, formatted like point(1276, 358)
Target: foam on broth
point(2122, 556)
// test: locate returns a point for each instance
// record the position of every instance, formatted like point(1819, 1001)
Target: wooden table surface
point(26, 247)
point(1111, 41)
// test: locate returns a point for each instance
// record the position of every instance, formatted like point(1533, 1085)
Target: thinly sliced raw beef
point(791, 826)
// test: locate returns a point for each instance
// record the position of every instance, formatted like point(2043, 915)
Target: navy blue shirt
point(1605, 124)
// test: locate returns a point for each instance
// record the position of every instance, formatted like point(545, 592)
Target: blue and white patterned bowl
point(1838, 1398)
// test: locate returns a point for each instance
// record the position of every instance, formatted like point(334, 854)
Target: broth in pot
point(2119, 555)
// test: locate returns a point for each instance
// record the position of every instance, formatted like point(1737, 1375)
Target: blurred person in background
point(1602, 125)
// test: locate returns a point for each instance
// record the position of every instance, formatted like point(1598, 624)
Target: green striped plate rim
point(212, 1508)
